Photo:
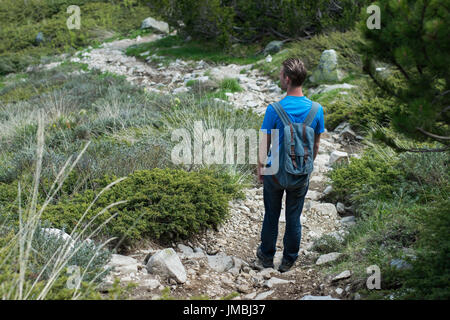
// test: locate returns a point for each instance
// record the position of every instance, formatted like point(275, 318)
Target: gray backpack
point(296, 158)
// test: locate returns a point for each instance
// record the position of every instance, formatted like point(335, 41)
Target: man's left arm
point(316, 145)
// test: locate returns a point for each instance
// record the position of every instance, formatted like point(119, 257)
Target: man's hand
point(264, 148)
point(258, 172)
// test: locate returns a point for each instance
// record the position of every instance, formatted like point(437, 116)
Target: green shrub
point(225, 21)
point(160, 203)
point(326, 244)
point(373, 175)
point(21, 21)
point(174, 47)
point(310, 50)
point(231, 85)
point(89, 257)
point(401, 200)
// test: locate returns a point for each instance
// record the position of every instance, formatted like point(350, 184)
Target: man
point(297, 106)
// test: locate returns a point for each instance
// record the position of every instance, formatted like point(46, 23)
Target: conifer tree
point(413, 38)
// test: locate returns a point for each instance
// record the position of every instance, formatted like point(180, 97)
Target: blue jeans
point(295, 198)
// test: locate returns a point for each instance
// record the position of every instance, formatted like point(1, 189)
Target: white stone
point(337, 155)
point(274, 281)
point(339, 291)
point(343, 275)
point(264, 295)
point(325, 209)
point(167, 263)
point(53, 232)
point(123, 264)
point(155, 24)
point(310, 297)
point(220, 262)
point(328, 190)
point(150, 284)
point(327, 258)
point(340, 207)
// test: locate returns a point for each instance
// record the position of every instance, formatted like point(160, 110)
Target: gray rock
point(328, 190)
point(273, 47)
point(327, 258)
point(166, 263)
point(323, 88)
point(342, 126)
point(340, 207)
point(325, 209)
point(348, 134)
point(327, 70)
point(400, 264)
point(243, 288)
point(40, 38)
point(309, 297)
point(264, 295)
point(348, 221)
point(185, 249)
point(250, 296)
point(220, 262)
point(149, 284)
point(336, 235)
point(180, 90)
point(313, 195)
point(337, 155)
point(343, 275)
point(339, 291)
point(274, 281)
point(160, 26)
point(123, 264)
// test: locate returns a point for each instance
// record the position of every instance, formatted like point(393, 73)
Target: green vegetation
point(401, 202)
point(230, 85)
point(129, 130)
point(309, 51)
point(158, 204)
point(414, 41)
point(249, 21)
point(22, 20)
point(174, 47)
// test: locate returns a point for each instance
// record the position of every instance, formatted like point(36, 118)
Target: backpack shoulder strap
point(312, 114)
point(281, 113)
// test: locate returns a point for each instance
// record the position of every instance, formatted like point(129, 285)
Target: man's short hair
point(295, 70)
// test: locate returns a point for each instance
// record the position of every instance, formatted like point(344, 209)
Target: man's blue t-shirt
point(297, 109)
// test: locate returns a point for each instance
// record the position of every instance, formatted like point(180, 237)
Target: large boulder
point(327, 70)
point(160, 26)
point(166, 263)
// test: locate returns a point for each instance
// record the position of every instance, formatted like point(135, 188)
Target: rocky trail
point(220, 262)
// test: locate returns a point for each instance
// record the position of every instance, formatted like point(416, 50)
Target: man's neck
point(295, 91)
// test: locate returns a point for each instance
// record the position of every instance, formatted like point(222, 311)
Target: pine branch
point(431, 135)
